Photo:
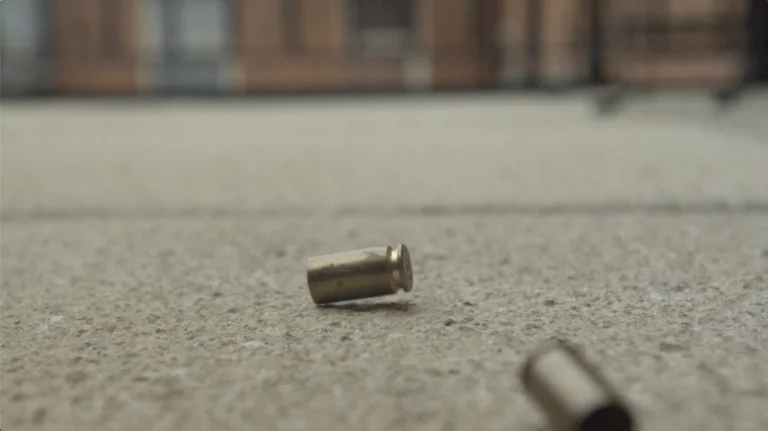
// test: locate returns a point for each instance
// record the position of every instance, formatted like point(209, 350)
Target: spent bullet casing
point(358, 274)
point(572, 394)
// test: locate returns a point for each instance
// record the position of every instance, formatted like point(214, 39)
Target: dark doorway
point(595, 24)
point(757, 44)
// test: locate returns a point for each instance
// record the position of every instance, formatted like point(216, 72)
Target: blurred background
point(108, 47)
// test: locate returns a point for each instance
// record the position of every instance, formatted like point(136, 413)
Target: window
point(381, 28)
point(195, 29)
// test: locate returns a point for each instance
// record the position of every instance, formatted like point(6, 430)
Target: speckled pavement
point(153, 261)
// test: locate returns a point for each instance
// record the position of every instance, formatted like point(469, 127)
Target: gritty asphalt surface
point(153, 261)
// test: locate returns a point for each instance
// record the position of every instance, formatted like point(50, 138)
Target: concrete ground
point(153, 261)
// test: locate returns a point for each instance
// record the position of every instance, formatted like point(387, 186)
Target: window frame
point(380, 42)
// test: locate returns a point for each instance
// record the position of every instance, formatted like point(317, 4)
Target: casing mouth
point(402, 273)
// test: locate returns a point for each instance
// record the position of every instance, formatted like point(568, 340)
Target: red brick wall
point(322, 64)
point(563, 22)
point(81, 65)
point(456, 61)
point(448, 29)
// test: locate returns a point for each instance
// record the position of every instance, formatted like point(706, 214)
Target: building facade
point(269, 46)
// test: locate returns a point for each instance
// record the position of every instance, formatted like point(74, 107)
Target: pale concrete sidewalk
point(153, 261)
point(386, 153)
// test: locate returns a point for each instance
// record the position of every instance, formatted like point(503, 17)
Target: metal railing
point(652, 35)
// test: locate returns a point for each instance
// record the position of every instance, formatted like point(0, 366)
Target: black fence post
point(533, 45)
point(596, 42)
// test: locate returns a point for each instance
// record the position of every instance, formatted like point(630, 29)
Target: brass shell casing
point(573, 395)
point(358, 274)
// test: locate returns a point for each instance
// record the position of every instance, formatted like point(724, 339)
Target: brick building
point(133, 46)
